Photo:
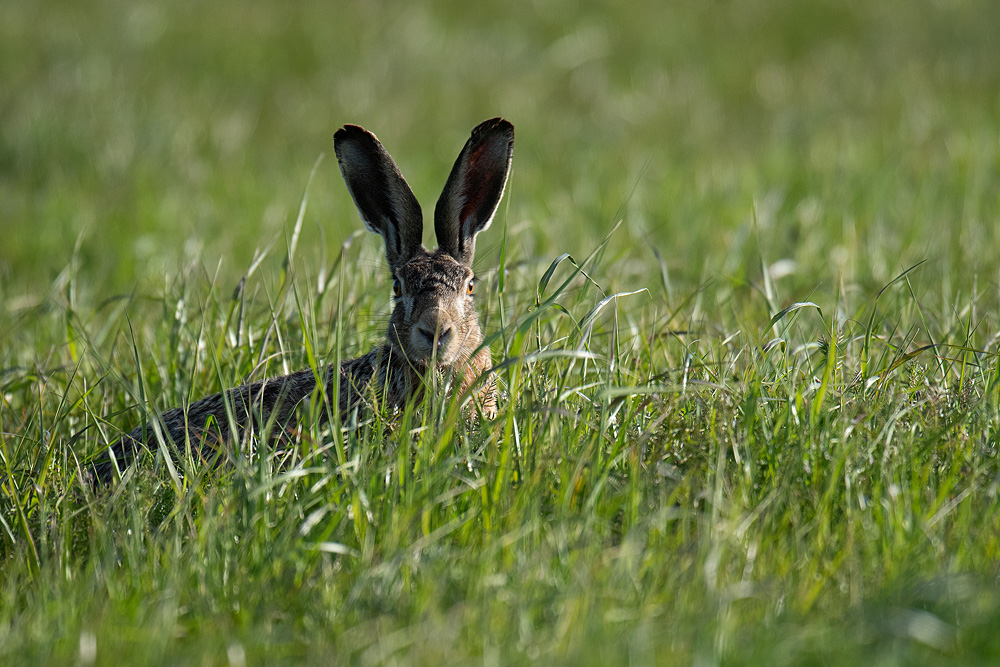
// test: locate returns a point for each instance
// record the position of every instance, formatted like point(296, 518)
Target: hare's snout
point(427, 335)
point(433, 335)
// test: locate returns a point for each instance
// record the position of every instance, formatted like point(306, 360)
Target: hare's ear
point(383, 198)
point(474, 189)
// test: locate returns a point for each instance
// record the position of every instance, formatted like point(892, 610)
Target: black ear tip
point(494, 126)
point(350, 132)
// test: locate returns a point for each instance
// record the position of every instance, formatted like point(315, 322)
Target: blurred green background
point(139, 136)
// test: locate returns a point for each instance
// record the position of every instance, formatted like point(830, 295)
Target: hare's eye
point(470, 287)
point(397, 287)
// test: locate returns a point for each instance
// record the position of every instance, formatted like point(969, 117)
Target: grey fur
point(433, 321)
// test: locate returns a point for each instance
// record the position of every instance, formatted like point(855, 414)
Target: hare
point(434, 323)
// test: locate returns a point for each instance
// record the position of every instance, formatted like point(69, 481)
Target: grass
point(743, 289)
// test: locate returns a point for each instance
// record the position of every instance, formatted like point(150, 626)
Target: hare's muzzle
point(434, 336)
point(427, 337)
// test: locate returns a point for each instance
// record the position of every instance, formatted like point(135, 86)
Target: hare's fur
point(433, 324)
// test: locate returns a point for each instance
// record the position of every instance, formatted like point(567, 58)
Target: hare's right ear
point(383, 198)
point(474, 189)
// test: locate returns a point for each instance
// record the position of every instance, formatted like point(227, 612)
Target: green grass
point(695, 472)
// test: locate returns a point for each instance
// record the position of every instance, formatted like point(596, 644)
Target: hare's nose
point(427, 334)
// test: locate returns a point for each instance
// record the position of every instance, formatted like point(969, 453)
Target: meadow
point(742, 293)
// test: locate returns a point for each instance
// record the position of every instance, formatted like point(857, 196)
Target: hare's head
point(434, 317)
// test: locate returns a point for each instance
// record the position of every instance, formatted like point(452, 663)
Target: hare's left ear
point(474, 189)
point(383, 198)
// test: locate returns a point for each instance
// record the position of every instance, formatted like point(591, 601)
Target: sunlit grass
point(742, 295)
